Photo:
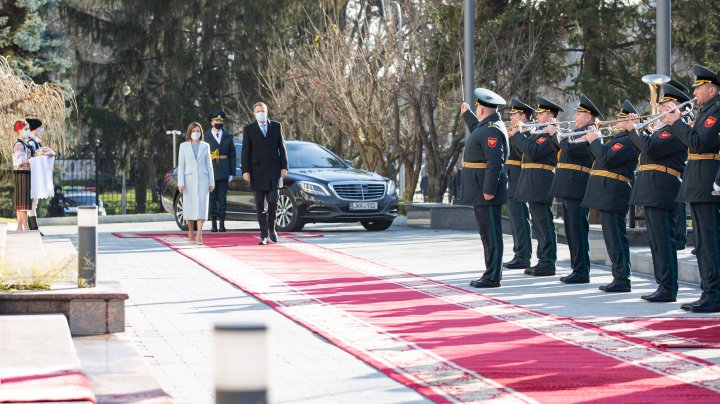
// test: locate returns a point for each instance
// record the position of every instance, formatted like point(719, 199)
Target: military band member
point(681, 212)
point(609, 188)
point(662, 162)
point(571, 178)
point(536, 176)
point(484, 183)
point(223, 156)
point(703, 142)
point(518, 211)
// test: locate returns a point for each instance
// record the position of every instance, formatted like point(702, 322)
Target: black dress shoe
point(615, 288)
point(273, 236)
point(660, 295)
point(222, 226)
point(679, 247)
point(516, 264)
point(543, 270)
point(263, 241)
point(706, 306)
point(575, 277)
point(692, 252)
point(484, 283)
point(688, 306)
point(214, 228)
point(529, 270)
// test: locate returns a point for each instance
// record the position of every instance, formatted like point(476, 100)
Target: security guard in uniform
point(681, 212)
point(571, 178)
point(484, 183)
point(662, 162)
point(223, 156)
point(703, 142)
point(609, 188)
point(518, 211)
point(537, 173)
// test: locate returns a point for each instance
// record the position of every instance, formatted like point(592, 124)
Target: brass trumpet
point(566, 125)
point(642, 125)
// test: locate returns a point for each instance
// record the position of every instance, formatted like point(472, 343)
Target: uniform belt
point(576, 167)
point(658, 167)
point(704, 156)
point(536, 165)
point(609, 174)
point(474, 165)
point(514, 162)
point(220, 157)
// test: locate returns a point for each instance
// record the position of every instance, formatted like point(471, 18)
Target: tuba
point(655, 82)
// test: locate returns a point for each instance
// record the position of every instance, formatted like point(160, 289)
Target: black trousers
point(520, 226)
point(266, 207)
point(706, 222)
point(660, 224)
point(577, 227)
point(490, 225)
point(544, 230)
point(681, 226)
point(218, 200)
point(616, 242)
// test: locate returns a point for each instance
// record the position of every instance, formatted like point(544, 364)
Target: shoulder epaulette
point(498, 125)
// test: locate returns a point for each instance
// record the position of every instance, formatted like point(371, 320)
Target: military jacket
point(539, 159)
point(703, 143)
point(652, 187)
point(487, 144)
point(223, 155)
point(573, 172)
point(512, 167)
point(617, 158)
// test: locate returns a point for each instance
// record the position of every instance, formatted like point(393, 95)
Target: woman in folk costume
point(195, 180)
point(41, 166)
point(21, 174)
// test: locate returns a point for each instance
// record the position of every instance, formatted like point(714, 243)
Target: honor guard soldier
point(536, 176)
point(609, 188)
point(662, 162)
point(681, 212)
point(518, 210)
point(222, 154)
point(703, 143)
point(571, 178)
point(484, 183)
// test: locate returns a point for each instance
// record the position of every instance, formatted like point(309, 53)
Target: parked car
point(320, 188)
point(74, 199)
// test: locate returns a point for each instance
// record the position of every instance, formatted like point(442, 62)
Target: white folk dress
point(196, 175)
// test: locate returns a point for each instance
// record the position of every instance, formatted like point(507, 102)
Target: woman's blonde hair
point(190, 128)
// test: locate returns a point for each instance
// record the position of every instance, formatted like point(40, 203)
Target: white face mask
point(39, 132)
point(261, 116)
point(26, 133)
point(195, 135)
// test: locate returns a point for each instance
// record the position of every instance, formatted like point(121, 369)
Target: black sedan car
point(320, 188)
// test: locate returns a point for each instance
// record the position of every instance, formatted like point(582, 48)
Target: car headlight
point(391, 188)
point(313, 188)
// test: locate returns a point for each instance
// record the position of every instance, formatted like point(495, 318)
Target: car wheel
point(179, 213)
point(287, 218)
point(376, 225)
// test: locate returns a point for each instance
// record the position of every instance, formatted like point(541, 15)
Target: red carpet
point(676, 332)
point(447, 343)
point(32, 385)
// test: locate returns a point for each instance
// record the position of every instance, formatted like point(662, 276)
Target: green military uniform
point(519, 214)
point(703, 142)
point(608, 190)
point(482, 173)
point(681, 211)
point(662, 162)
point(536, 176)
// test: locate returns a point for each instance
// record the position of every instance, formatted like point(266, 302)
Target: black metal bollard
point(240, 364)
point(87, 245)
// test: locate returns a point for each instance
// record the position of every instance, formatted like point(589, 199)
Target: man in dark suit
point(264, 163)
point(222, 153)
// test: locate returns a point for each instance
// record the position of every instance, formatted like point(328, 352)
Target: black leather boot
point(222, 226)
point(32, 224)
point(214, 228)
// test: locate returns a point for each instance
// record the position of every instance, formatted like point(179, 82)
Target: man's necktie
point(264, 130)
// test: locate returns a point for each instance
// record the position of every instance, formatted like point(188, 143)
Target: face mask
point(40, 132)
point(261, 116)
point(218, 126)
point(26, 133)
point(195, 135)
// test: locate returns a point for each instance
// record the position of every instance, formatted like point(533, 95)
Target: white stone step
point(24, 255)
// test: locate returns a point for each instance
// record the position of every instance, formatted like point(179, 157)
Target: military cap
point(33, 123)
point(585, 105)
point(519, 106)
point(488, 98)
point(547, 106)
point(680, 86)
point(671, 93)
point(704, 75)
point(627, 109)
point(216, 114)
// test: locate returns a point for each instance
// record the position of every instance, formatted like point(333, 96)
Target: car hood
point(335, 174)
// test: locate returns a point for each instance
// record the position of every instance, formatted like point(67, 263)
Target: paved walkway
point(175, 302)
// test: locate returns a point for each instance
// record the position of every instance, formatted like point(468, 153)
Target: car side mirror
point(349, 162)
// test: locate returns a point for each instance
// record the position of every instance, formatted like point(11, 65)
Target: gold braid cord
point(20, 98)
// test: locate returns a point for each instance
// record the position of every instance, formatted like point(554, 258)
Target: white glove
point(716, 187)
point(230, 178)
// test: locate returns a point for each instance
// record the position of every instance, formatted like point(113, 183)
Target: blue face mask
point(261, 116)
point(195, 135)
point(26, 133)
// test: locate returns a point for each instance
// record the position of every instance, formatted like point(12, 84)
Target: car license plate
point(363, 205)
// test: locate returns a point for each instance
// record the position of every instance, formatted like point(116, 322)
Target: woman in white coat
point(195, 180)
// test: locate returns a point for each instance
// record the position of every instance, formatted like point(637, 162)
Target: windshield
point(308, 155)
